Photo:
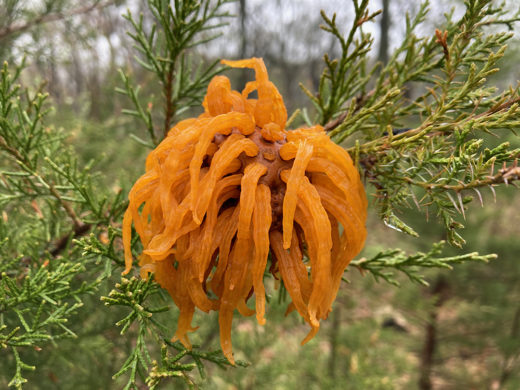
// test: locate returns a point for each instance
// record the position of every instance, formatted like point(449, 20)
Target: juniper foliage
point(46, 201)
point(436, 87)
point(61, 235)
point(60, 230)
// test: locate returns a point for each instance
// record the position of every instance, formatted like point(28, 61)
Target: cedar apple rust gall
point(231, 194)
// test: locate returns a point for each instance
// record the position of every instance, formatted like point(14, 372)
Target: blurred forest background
point(460, 332)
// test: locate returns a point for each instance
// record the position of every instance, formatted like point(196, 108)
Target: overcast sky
point(298, 23)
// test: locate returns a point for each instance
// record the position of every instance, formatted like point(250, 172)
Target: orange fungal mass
point(228, 192)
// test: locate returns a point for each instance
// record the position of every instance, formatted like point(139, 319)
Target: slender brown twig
point(21, 26)
point(360, 102)
point(506, 175)
point(427, 128)
point(21, 160)
point(61, 243)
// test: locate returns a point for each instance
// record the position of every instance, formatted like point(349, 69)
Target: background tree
point(68, 159)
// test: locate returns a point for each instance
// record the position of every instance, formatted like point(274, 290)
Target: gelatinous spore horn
point(223, 191)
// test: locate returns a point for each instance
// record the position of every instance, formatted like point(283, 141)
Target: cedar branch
point(24, 163)
point(506, 175)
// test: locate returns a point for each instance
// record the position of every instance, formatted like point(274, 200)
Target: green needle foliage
point(164, 50)
point(133, 293)
point(383, 264)
point(39, 288)
point(61, 235)
point(417, 126)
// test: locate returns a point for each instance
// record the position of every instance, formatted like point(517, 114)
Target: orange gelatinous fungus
point(223, 191)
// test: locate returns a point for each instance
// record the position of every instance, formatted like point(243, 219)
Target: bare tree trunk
point(333, 340)
point(384, 27)
point(94, 88)
point(243, 33)
point(506, 366)
point(243, 38)
point(54, 82)
point(439, 294)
